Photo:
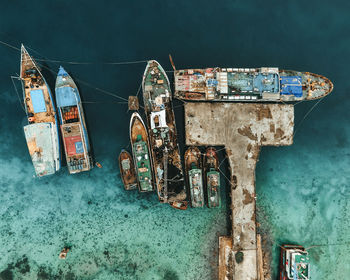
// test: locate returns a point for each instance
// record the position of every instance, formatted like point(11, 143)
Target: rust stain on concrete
point(242, 128)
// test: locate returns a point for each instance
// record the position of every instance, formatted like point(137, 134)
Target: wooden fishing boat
point(140, 151)
point(73, 126)
point(127, 170)
point(212, 177)
point(180, 205)
point(193, 169)
point(294, 263)
point(169, 179)
point(42, 133)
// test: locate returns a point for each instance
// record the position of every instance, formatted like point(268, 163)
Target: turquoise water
point(302, 190)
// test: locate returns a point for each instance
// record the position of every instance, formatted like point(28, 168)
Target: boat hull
point(73, 125)
point(140, 150)
point(284, 260)
point(266, 84)
point(212, 177)
point(42, 132)
point(194, 174)
point(169, 179)
point(127, 170)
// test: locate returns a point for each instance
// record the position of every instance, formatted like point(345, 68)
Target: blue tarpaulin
point(79, 147)
point(291, 85)
point(65, 96)
point(38, 100)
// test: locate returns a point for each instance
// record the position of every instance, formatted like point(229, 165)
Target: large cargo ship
point(294, 263)
point(193, 167)
point(42, 132)
point(212, 177)
point(73, 126)
point(266, 84)
point(167, 165)
point(140, 150)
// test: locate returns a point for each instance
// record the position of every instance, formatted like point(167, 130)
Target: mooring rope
point(73, 62)
point(305, 116)
point(10, 46)
point(19, 99)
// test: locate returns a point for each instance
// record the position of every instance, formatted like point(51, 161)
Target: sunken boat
point(212, 177)
point(266, 84)
point(127, 170)
point(294, 263)
point(193, 169)
point(42, 131)
point(73, 125)
point(140, 151)
point(169, 179)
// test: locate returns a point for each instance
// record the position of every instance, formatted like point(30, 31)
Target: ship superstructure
point(268, 84)
point(162, 132)
point(73, 126)
point(42, 133)
point(294, 263)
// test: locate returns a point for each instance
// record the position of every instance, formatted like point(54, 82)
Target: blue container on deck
point(291, 85)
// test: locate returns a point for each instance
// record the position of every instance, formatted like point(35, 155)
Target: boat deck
point(43, 111)
point(251, 126)
point(40, 146)
point(36, 93)
point(74, 147)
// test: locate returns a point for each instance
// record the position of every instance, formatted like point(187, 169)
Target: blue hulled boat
point(73, 126)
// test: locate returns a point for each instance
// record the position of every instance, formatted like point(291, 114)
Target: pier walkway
point(242, 128)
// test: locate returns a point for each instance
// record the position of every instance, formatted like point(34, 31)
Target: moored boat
point(127, 170)
point(169, 179)
point(212, 177)
point(265, 84)
point(73, 126)
point(140, 151)
point(294, 263)
point(42, 133)
point(180, 205)
point(193, 169)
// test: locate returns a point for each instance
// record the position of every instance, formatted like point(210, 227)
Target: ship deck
point(251, 127)
point(74, 143)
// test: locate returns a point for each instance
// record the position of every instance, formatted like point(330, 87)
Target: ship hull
point(179, 205)
point(212, 177)
point(140, 149)
point(194, 174)
point(42, 132)
point(165, 151)
point(284, 260)
point(249, 85)
point(73, 126)
point(127, 170)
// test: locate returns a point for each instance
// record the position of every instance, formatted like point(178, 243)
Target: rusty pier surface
point(242, 128)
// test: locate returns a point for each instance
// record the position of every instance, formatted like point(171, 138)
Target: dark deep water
point(302, 190)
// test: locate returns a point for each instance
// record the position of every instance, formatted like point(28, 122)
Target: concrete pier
point(242, 128)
